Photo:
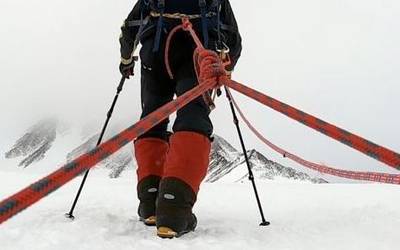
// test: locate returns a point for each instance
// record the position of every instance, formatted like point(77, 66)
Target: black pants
point(158, 89)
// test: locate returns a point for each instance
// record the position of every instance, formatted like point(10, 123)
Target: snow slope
point(303, 216)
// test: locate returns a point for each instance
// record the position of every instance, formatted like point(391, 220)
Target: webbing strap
point(137, 23)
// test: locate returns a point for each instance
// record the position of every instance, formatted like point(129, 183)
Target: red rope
point(167, 47)
point(186, 26)
point(373, 150)
point(355, 175)
point(207, 63)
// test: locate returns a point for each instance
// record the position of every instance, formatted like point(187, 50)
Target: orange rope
point(355, 175)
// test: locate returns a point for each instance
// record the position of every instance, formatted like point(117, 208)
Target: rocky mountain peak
point(34, 144)
point(225, 160)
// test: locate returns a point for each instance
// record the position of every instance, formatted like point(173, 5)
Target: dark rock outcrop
point(34, 144)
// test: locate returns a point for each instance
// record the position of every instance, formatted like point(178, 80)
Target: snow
point(349, 47)
point(303, 216)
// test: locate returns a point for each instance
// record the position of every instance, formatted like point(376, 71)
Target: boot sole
point(151, 221)
point(168, 233)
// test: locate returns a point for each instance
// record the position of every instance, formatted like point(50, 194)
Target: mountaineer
point(171, 166)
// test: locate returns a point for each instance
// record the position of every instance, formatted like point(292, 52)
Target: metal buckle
point(225, 49)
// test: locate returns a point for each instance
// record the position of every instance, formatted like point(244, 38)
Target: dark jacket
point(230, 33)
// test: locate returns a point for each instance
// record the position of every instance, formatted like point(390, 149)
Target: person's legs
point(186, 163)
point(150, 156)
point(185, 168)
point(152, 147)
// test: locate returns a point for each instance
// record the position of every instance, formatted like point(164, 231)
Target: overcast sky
point(338, 60)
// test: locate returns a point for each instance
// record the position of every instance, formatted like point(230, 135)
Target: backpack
point(204, 9)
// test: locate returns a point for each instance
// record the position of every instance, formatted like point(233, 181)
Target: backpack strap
point(161, 8)
point(204, 21)
point(219, 24)
point(141, 23)
point(221, 45)
point(144, 6)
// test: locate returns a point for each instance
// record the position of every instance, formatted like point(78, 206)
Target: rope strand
point(354, 175)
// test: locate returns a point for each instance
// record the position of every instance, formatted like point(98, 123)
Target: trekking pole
point(251, 176)
point(143, 22)
point(109, 114)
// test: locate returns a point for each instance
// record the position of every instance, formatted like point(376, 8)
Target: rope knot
point(209, 67)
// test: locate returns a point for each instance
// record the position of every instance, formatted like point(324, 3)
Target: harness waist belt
point(180, 15)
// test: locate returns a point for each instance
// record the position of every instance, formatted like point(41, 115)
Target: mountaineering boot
point(185, 167)
point(147, 190)
point(174, 208)
point(150, 155)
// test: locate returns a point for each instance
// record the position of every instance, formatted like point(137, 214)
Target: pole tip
point(265, 223)
point(69, 216)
